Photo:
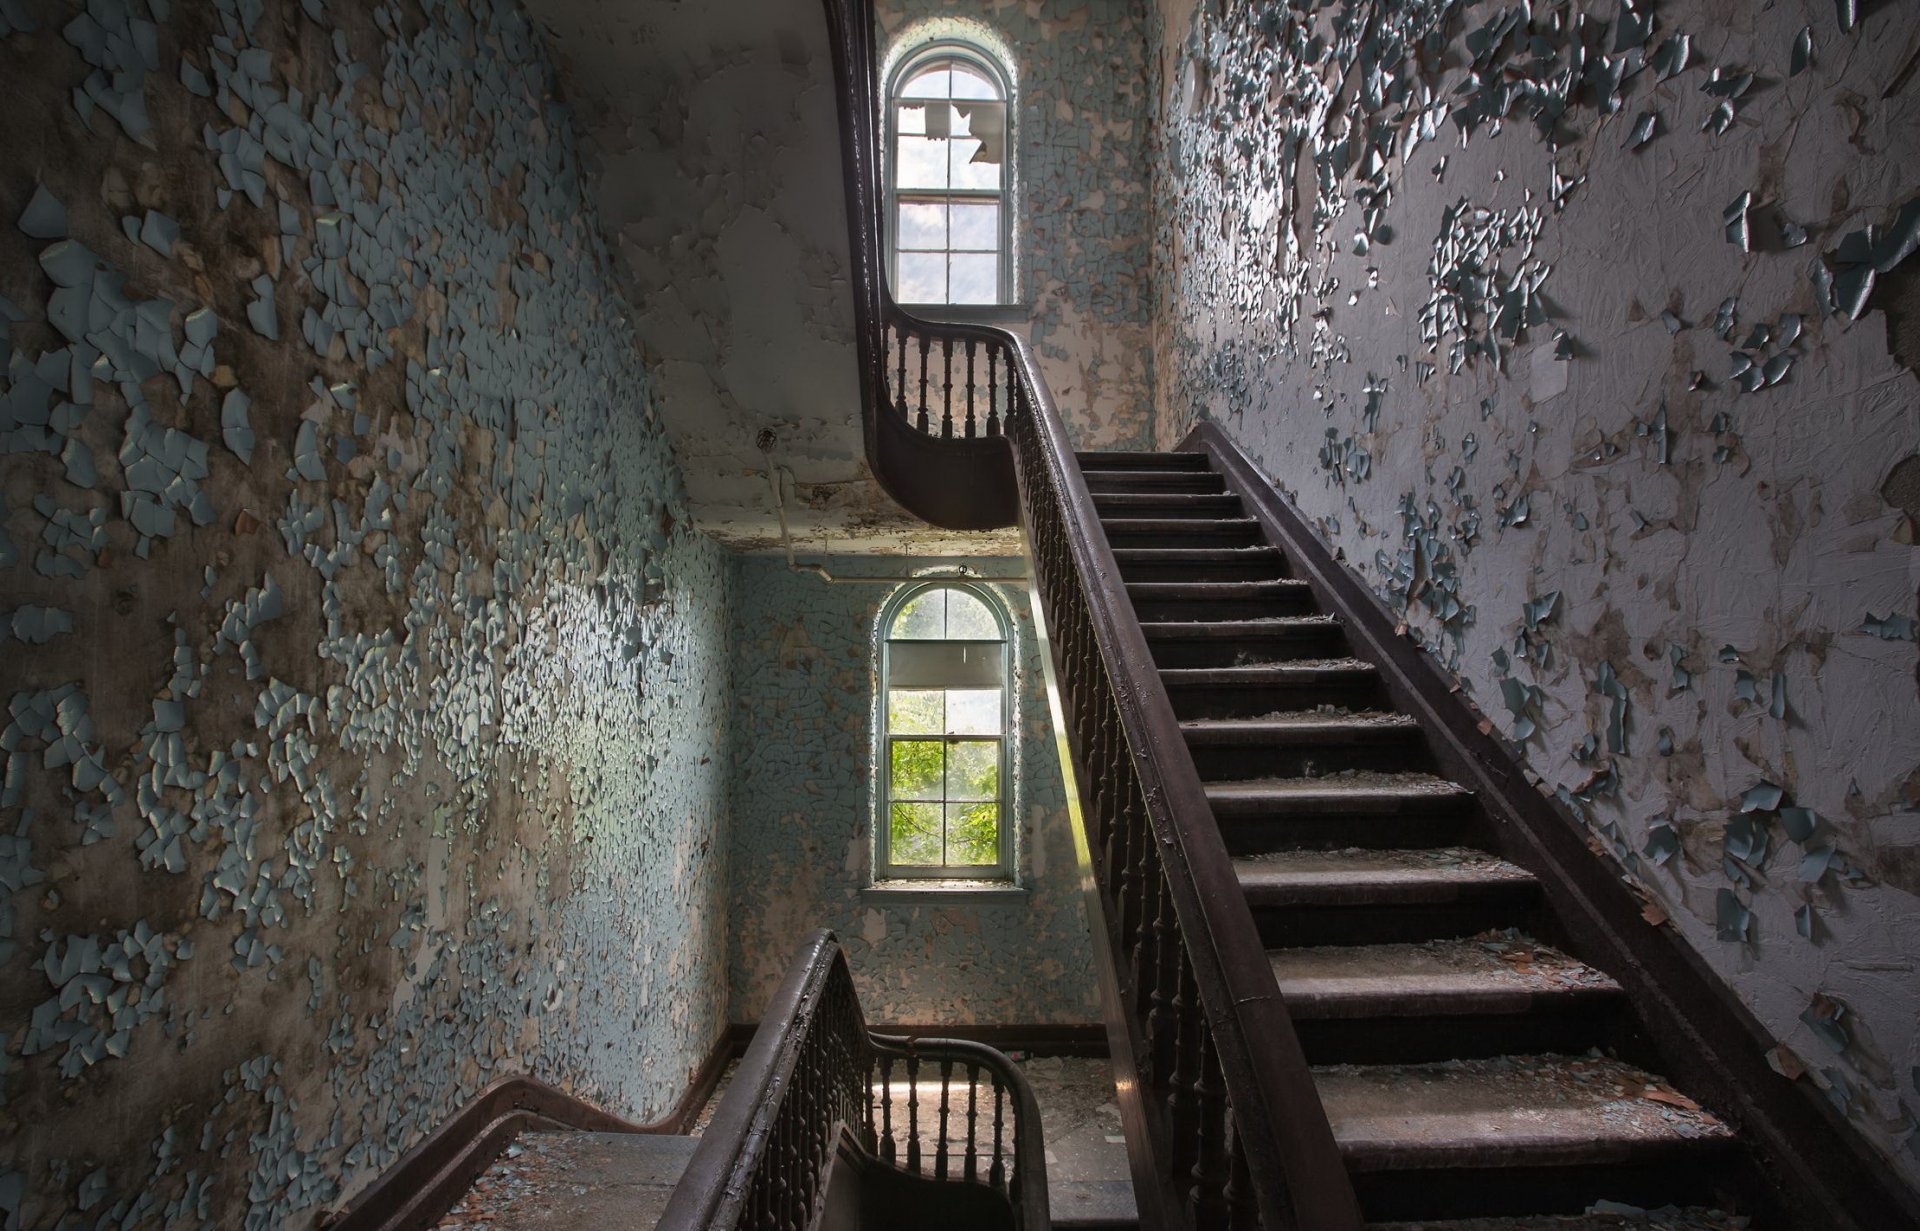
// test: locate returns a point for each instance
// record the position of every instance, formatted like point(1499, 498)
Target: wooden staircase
point(1470, 1064)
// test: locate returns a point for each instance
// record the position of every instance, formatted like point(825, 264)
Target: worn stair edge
point(1368, 794)
point(1378, 878)
point(1431, 979)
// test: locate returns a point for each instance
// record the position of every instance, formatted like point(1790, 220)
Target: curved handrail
point(814, 1080)
point(1237, 1128)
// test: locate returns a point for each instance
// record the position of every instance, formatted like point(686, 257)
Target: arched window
point(943, 780)
point(947, 109)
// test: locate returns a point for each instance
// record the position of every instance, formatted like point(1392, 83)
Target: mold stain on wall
point(1083, 221)
point(1560, 321)
point(805, 677)
point(365, 683)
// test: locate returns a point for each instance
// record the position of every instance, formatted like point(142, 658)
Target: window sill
point(950, 892)
point(971, 314)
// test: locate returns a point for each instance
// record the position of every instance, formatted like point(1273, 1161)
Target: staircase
point(1464, 1058)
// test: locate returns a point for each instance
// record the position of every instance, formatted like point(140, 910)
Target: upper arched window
point(943, 735)
point(948, 179)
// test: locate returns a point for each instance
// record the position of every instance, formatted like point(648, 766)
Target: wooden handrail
point(814, 1082)
point(1235, 1131)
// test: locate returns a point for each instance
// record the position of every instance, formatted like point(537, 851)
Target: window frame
point(979, 59)
point(1003, 870)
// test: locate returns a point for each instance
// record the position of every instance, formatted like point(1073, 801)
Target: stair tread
point(1129, 459)
point(1254, 673)
point(570, 1179)
point(1397, 873)
point(1471, 975)
point(1508, 1111)
point(1672, 1218)
point(1144, 554)
point(1202, 590)
point(1296, 726)
point(1356, 786)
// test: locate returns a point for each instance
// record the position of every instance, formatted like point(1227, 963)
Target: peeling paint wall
point(1082, 226)
point(1552, 321)
point(805, 677)
point(366, 685)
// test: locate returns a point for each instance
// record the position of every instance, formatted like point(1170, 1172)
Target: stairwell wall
point(1547, 328)
point(365, 681)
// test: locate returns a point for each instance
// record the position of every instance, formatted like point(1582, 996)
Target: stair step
point(1158, 601)
point(1154, 480)
point(1369, 896)
point(1181, 531)
point(1230, 643)
point(1471, 998)
point(1517, 1134)
point(1304, 743)
point(1375, 810)
point(568, 1179)
point(1266, 688)
point(1127, 459)
point(1184, 506)
point(1191, 563)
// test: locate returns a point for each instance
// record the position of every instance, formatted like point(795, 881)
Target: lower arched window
point(943, 780)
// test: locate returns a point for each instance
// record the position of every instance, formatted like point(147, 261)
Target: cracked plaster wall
point(805, 678)
point(366, 685)
point(1671, 577)
point(1082, 222)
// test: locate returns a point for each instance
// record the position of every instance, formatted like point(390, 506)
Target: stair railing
point(1232, 1131)
point(814, 1083)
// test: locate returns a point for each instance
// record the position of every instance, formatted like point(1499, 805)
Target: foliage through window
point(943, 735)
point(948, 112)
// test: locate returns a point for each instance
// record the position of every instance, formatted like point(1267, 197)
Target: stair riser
point(1259, 607)
point(1423, 1039)
point(1196, 533)
point(1311, 641)
point(1192, 701)
point(1095, 460)
point(1701, 1176)
point(1250, 566)
point(1183, 507)
point(1376, 924)
point(1197, 482)
point(1261, 835)
point(1231, 762)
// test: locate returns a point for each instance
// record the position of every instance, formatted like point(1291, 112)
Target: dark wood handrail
point(1237, 1134)
point(814, 1082)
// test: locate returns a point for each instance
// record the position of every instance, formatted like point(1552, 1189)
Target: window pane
point(976, 278)
point(923, 618)
point(934, 82)
point(973, 711)
point(968, 619)
point(920, 711)
point(973, 835)
point(910, 121)
point(969, 83)
point(917, 768)
point(923, 225)
point(923, 162)
point(973, 769)
point(913, 834)
point(975, 226)
point(923, 279)
point(965, 172)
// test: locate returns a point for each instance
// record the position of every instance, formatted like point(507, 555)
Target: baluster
point(924, 343)
point(970, 348)
point(1242, 1213)
point(970, 1167)
point(1183, 1112)
point(900, 386)
point(886, 1108)
point(1210, 1169)
point(997, 1174)
point(946, 388)
point(1157, 949)
point(913, 1112)
point(993, 389)
point(940, 1149)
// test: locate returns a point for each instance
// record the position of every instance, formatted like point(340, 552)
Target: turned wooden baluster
point(997, 1175)
point(993, 389)
point(970, 349)
point(1243, 1214)
point(946, 388)
point(913, 1112)
point(940, 1146)
point(925, 342)
point(886, 1109)
point(900, 384)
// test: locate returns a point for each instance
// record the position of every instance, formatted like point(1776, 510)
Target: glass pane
point(968, 619)
point(933, 82)
point(965, 172)
point(917, 765)
point(923, 225)
point(973, 835)
point(974, 226)
point(921, 711)
point(976, 278)
point(923, 279)
point(973, 711)
point(969, 83)
point(973, 769)
point(910, 121)
point(922, 162)
point(923, 618)
point(913, 836)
